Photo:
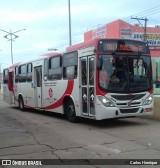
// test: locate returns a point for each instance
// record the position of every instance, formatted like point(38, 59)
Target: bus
point(97, 79)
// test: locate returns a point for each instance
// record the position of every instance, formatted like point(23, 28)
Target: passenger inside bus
point(119, 74)
point(113, 72)
point(106, 72)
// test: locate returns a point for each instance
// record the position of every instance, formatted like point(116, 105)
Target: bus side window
point(16, 74)
point(45, 70)
point(22, 73)
point(5, 76)
point(29, 72)
point(55, 69)
point(70, 61)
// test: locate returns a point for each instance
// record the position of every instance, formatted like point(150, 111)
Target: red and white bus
point(98, 79)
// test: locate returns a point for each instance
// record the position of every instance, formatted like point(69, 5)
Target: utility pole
point(144, 27)
point(69, 13)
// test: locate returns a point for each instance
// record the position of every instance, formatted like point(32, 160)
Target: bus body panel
point(125, 108)
point(7, 95)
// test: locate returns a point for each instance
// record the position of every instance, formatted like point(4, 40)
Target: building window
point(55, 68)
point(70, 61)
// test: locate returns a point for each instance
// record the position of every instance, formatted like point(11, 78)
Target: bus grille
point(128, 97)
point(133, 110)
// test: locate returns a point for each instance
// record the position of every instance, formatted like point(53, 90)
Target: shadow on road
point(107, 123)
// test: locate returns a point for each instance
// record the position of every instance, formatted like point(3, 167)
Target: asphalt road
point(42, 135)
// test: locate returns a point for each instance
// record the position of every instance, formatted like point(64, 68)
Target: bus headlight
point(106, 102)
point(149, 100)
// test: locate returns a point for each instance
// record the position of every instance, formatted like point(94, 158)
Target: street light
point(12, 37)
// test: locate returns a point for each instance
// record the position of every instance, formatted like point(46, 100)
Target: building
point(122, 29)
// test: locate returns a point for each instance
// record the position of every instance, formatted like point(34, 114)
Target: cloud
point(8, 15)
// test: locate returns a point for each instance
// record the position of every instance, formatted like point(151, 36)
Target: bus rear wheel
point(21, 103)
point(70, 111)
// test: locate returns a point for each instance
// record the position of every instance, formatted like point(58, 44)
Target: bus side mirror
point(99, 64)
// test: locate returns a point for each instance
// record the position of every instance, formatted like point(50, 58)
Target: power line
point(148, 12)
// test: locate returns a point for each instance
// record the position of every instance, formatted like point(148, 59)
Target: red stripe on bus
point(67, 92)
point(98, 91)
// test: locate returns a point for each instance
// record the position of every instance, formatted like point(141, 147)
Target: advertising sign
point(126, 33)
point(99, 32)
point(153, 39)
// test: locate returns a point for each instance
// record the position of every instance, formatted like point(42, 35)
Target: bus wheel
point(70, 111)
point(21, 103)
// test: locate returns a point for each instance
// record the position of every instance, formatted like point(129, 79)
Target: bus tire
point(70, 111)
point(21, 103)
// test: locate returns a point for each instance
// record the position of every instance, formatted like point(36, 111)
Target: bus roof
point(93, 42)
point(51, 54)
point(88, 43)
point(11, 67)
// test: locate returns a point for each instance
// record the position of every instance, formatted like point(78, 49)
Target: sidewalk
point(156, 113)
point(1, 96)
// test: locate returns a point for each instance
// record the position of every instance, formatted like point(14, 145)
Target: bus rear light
point(148, 109)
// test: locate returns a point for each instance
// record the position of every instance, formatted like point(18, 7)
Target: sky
point(46, 22)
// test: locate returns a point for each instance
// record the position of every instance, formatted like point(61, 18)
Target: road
point(41, 135)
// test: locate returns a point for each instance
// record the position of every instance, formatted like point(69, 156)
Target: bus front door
point(87, 85)
point(38, 86)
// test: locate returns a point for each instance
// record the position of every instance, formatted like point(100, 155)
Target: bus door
point(8, 89)
point(10, 83)
point(38, 86)
point(87, 85)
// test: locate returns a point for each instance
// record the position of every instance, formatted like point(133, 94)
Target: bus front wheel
point(70, 111)
point(21, 103)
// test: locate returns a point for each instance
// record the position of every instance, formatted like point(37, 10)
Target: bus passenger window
point(70, 72)
point(29, 72)
point(45, 70)
point(16, 74)
point(55, 69)
point(22, 73)
point(5, 76)
point(70, 61)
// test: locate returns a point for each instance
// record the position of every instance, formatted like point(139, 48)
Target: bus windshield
point(125, 73)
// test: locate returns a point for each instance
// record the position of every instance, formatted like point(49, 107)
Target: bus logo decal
point(67, 92)
point(50, 91)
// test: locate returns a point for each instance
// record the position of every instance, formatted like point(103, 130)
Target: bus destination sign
point(123, 46)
